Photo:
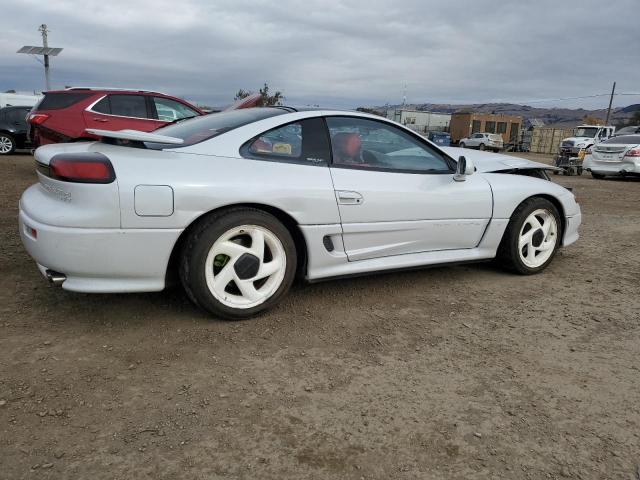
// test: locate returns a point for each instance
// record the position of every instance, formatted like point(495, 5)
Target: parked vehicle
point(442, 139)
point(19, 99)
point(13, 129)
point(630, 130)
point(584, 137)
point(617, 156)
point(239, 202)
point(64, 115)
point(483, 141)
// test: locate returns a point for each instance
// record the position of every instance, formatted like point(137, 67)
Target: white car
point(483, 141)
point(240, 202)
point(617, 156)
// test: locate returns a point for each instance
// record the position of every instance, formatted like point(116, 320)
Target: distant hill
point(631, 108)
point(566, 117)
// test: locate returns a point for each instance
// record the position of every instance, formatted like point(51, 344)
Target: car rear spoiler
point(135, 135)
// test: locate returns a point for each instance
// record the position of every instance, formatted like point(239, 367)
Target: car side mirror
point(465, 167)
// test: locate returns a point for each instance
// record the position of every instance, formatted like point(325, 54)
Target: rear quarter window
point(57, 101)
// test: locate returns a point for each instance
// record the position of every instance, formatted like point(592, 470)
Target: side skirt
point(330, 264)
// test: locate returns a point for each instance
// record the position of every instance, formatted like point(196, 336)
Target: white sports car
point(236, 204)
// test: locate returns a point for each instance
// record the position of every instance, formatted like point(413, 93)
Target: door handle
point(100, 120)
point(346, 197)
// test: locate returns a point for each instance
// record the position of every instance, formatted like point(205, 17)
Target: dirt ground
point(457, 372)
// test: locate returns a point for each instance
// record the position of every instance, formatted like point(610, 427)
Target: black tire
point(508, 253)
point(496, 150)
point(198, 244)
point(7, 144)
point(462, 145)
point(597, 176)
point(481, 147)
point(579, 171)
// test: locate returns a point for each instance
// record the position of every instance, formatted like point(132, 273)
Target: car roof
point(106, 90)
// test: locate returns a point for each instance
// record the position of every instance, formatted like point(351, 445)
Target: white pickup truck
point(585, 136)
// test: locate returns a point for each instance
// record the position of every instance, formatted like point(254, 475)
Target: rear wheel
point(7, 144)
point(532, 237)
point(462, 145)
point(238, 263)
point(481, 147)
point(597, 176)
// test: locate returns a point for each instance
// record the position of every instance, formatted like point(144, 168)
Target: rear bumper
point(623, 167)
point(100, 260)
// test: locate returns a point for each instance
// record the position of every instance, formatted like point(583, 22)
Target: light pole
point(44, 50)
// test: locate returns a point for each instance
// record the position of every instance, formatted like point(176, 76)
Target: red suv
point(63, 115)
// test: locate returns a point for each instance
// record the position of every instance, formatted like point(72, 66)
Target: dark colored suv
point(64, 115)
point(13, 129)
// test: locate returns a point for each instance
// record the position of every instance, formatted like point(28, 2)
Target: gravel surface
point(457, 372)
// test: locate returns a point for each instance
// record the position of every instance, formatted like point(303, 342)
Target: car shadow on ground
point(173, 304)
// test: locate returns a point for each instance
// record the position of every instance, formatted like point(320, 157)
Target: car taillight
point(634, 152)
point(90, 167)
point(37, 118)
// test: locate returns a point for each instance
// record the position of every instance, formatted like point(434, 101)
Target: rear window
point(199, 129)
point(56, 101)
point(134, 106)
point(624, 139)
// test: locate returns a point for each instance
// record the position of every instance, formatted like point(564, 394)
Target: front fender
point(509, 191)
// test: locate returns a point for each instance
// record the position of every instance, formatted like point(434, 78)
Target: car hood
point(494, 162)
point(577, 140)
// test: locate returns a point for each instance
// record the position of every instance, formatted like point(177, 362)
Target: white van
point(19, 99)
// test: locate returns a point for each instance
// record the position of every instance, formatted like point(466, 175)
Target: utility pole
point(45, 45)
point(613, 92)
point(44, 50)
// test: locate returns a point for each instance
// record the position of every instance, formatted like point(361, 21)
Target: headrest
point(347, 143)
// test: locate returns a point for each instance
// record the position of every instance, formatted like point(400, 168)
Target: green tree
point(268, 99)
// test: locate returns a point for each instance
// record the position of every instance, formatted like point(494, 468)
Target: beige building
point(463, 124)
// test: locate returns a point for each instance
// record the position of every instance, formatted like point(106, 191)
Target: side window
point(16, 115)
point(128, 106)
point(103, 106)
point(303, 142)
point(369, 144)
point(169, 110)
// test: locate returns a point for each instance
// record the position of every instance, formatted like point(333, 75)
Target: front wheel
point(7, 144)
point(532, 237)
point(238, 263)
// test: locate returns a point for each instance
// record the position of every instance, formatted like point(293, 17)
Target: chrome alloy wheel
point(538, 237)
point(6, 145)
point(245, 266)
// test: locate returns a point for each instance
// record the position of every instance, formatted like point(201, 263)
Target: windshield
point(199, 129)
point(589, 132)
point(625, 140)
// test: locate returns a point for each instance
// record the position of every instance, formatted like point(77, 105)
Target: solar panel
point(52, 52)
point(30, 49)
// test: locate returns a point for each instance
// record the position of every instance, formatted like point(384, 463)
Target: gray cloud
point(335, 53)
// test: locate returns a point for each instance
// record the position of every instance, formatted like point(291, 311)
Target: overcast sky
point(333, 53)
